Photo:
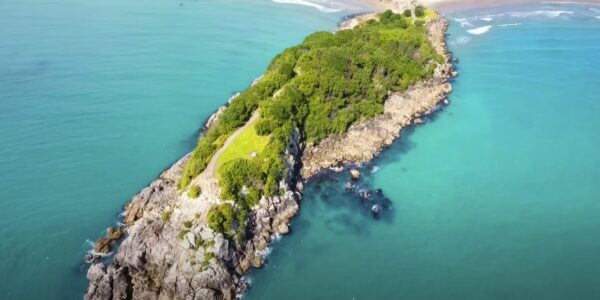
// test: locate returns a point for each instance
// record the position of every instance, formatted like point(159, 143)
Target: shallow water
point(97, 97)
point(496, 197)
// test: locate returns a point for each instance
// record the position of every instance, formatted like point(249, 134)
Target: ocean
point(497, 196)
point(98, 97)
point(494, 197)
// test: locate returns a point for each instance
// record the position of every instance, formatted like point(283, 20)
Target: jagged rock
point(104, 244)
point(261, 244)
point(418, 121)
point(257, 262)
point(283, 229)
point(221, 246)
point(355, 174)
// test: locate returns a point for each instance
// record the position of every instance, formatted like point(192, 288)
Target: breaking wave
point(463, 22)
point(480, 30)
point(461, 40)
point(509, 24)
point(375, 169)
point(539, 13)
point(308, 3)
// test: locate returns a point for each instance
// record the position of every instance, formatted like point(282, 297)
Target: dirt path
point(212, 165)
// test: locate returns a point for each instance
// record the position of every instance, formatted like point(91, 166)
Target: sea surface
point(496, 197)
point(98, 97)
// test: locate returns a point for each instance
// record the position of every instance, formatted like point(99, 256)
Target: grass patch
point(245, 143)
point(194, 191)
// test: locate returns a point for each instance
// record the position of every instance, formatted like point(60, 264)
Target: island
point(335, 99)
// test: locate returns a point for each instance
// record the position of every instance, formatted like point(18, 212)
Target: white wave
point(595, 10)
point(480, 30)
point(308, 3)
point(487, 19)
point(539, 13)
point(598, 17)
point(461, 40)
point(463, 22)
point(375, 169)
point(560, 2)
point(509, 24)
point(265, 252)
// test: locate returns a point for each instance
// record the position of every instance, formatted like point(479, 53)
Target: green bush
point(322, 86)
point(166, 215)
point(182, 233)
point(194, 191)
point(187, 224)
point(407, 13)
point(420, 11)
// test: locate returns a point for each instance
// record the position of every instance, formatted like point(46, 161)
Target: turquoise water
point(496, 197)
point(96, 98)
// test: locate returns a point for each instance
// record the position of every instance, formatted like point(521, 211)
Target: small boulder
point(355, 174)
point(283, 229)
point(418, 121)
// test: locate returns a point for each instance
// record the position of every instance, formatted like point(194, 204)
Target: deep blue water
point(496, 197)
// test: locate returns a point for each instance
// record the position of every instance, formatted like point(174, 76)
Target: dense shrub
point(407, 13)
point(420, 11)
point(321, 87)
point(194, 191)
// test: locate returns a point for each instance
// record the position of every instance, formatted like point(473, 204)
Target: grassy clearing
point(245, 143)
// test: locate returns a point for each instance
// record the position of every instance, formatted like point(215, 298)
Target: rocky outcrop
point(366, 139)
point(169, 252)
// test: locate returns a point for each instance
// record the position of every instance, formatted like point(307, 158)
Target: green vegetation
point(407, 13)
point(245, 144)
point(321, 87)
point(166, 215)
point(194, 191)
point(419, 11)
point(182, 233)
point(207, 257)
point(187, 224)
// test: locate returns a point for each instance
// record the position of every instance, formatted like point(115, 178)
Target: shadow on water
point(348, 206)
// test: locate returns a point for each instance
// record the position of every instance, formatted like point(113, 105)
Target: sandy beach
point(454, 5)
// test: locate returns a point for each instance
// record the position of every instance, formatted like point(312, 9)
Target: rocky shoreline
point(166, 249)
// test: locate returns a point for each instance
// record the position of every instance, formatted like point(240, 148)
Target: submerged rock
point(355, 174)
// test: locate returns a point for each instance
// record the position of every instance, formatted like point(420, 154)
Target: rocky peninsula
point(166, 247)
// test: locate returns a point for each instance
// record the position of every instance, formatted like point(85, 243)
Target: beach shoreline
point(447, 6)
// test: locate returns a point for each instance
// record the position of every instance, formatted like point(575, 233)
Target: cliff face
point(169, 252)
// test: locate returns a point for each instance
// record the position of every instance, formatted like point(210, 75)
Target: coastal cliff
point(169, 252)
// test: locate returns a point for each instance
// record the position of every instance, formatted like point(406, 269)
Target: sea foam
point(539, 13)
point(463, 22)
point(308, 3)
point(480, 30)
point(509, 24)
